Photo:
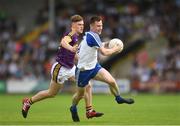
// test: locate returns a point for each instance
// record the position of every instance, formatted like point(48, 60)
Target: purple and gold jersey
point(64, 56)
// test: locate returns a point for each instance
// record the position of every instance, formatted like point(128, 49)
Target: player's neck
point(93, 31)
point(73, 32)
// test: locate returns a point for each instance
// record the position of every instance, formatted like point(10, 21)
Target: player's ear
point(73, 24)
point(91, 26)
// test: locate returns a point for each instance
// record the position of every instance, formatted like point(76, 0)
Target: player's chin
point(99, 32)
point(81, 32)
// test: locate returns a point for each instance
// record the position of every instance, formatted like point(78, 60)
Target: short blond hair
point(76, 18)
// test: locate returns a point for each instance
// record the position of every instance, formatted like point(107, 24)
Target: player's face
point(78, 26)
point(97, 27)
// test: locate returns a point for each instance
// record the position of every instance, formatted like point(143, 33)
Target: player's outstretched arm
point(107, 52)
point(65, 43)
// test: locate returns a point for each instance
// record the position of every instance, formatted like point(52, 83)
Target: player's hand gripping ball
point(116, 42)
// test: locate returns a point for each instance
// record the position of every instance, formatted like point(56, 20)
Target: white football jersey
point(88, 50)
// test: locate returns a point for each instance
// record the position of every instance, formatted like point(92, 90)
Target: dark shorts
point(83, 77)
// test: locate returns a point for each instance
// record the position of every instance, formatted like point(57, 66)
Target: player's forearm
point(107, 52)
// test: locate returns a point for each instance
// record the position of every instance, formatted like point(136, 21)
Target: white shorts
point(60, 73)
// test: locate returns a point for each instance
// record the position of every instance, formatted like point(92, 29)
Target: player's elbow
point(63, 44)
point(103, 53)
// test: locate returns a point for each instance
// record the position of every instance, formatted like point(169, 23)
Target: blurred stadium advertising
point(150, 61)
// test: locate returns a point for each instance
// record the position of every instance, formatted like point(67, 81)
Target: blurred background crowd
point(29, 51)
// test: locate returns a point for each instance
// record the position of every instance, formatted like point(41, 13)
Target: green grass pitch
point(148, 110)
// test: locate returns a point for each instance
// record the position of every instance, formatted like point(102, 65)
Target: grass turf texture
point(148, 110)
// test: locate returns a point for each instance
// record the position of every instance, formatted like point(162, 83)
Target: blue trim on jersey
point(83, 77)
point(93, 39)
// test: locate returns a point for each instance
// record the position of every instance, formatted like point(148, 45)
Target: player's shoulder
point(67, 38)
point(68, 35)
point(93, 36)
point(91, 33)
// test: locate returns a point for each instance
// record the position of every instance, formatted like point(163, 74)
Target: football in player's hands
point(116, 42)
